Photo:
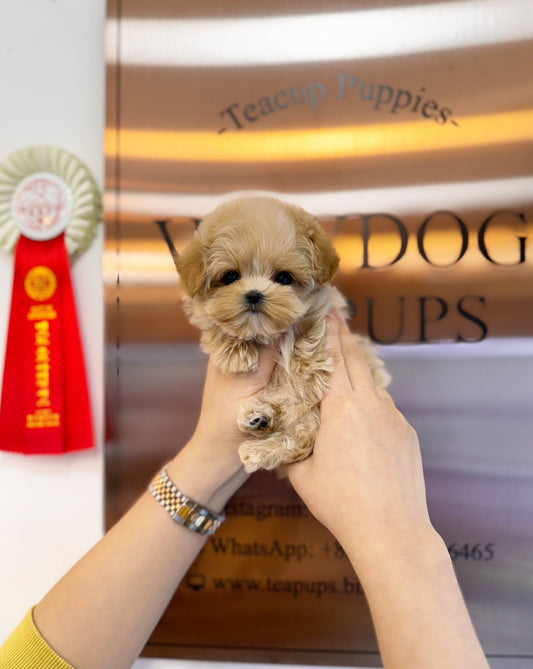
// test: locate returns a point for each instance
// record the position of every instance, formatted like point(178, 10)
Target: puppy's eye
point(230, 277)
point(284, 278)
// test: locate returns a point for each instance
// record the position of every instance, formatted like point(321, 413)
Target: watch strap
point(183, 509)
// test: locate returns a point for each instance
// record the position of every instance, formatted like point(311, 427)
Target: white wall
point(52, 89)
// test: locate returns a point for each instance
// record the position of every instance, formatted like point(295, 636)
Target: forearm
point(417, 608)
point(102, 612)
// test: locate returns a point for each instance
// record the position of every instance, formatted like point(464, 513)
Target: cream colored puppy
point(258, 271)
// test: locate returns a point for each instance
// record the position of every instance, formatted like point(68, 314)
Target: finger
point(340, 379)
point(268, 356)
point(355, 359)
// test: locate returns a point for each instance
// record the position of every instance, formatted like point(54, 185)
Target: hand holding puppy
point(256, 271)
point(364, 480)
point(213, 448)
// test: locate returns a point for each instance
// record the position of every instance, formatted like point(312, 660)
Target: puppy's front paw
point(256, 417)
point(237, 357)
point(260, 455)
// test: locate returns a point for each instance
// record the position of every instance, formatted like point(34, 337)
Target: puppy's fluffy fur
point(257, 271)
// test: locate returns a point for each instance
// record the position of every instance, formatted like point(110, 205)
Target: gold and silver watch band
point(183, 509)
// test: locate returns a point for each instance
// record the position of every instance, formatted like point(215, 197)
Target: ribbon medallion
point(54, 207)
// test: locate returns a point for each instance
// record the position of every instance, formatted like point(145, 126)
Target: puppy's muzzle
point(253, 299)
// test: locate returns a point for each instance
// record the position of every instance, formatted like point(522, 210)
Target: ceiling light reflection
point(458, 196)
point(320, 143)
point(351, 35)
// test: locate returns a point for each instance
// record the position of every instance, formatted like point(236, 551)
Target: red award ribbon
point(45, 405)
point(50, 208)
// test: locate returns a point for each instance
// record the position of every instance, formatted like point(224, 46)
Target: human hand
point(212, 450)
point(364, 480)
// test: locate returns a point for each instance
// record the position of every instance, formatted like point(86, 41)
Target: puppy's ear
point(191, 267)
point(325, 258)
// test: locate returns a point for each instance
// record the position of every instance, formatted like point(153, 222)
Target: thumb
point(268, 356)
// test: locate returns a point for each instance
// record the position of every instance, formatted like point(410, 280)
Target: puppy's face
point(253, 267)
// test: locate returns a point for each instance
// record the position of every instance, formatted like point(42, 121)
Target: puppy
point(257, 271)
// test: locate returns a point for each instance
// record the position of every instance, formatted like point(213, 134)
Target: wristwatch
point(183, 509)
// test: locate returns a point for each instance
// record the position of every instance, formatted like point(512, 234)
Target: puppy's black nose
point(254, 297)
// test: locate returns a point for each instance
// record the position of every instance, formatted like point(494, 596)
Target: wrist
point(416, 548)
point(208, 478)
